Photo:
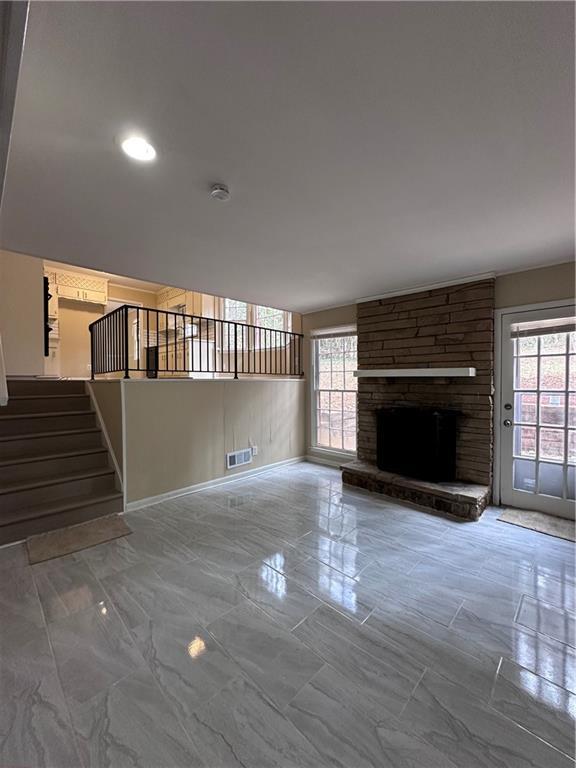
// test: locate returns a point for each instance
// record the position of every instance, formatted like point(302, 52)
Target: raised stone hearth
point(465, 500)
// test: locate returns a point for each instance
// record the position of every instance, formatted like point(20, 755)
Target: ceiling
point(368, 147)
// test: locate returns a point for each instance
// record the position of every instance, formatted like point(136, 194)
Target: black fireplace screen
point(417, 442)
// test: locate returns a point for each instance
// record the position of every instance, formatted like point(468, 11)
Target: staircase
point(54, 467)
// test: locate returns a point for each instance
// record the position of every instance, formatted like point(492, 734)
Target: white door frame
point(498, 325)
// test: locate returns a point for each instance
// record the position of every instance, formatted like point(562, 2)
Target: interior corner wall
point(22, 313)
point(178, 432)
point(535, 286)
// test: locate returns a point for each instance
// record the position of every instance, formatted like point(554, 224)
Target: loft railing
point(153, 342)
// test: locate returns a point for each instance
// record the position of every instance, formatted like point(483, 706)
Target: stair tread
point(50, 456)
point(47, 397)
point(35, 435)
point(63, 505)
point(55, 480)
point(43, 414)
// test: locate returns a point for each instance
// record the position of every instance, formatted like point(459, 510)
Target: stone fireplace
point(448, 328)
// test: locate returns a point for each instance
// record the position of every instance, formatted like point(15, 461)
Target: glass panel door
point(538, 411)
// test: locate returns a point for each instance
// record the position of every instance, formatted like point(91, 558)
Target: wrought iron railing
point(156, 342)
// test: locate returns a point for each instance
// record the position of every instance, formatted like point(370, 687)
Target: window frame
point(313, 389)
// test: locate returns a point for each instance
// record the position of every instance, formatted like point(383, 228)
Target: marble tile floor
point(285, 621)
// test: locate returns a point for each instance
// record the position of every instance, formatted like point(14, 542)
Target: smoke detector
point(220, 192)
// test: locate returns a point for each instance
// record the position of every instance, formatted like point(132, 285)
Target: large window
point(263, 317)
point(335, 388)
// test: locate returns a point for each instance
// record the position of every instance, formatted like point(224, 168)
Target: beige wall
point(22, 313)
point(74, 317)
point(536, 285)
point(108, 396)
point(328, 318)
point(131, 295)
point(178, 432)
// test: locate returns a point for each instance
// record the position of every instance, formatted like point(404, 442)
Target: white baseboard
point(133, 506)
point(324, 462)
point(329, 458)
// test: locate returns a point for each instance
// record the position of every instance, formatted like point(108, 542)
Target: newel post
point(92, 353)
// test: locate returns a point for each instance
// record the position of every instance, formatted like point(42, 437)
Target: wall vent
point(238, 458)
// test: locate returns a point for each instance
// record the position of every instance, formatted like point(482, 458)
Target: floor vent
point(238, 458)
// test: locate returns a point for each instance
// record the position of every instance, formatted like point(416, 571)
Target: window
point(264, 317)
point(276, 320)
point(267, 317)
point(237, 311)
point(335, 388)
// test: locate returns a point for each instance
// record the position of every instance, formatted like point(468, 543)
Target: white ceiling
point(368, 146)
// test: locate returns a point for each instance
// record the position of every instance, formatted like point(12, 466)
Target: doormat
point(538, 521)
point(64, 541)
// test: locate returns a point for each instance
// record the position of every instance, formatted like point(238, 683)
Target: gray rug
point(64, 541)
point(538, 521)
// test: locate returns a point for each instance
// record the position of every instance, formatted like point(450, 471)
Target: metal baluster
point(200, 342)
point(126, 355)
point(166, 339)
point(147, 341)
point(92, 362)
point(235, 350)
point(138, 333)
point(192, 353)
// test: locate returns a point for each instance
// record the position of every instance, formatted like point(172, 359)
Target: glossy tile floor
point(284, 621)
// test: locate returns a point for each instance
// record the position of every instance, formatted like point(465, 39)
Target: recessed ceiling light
point(138, 148)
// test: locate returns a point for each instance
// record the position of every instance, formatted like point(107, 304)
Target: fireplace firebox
point(417, 442)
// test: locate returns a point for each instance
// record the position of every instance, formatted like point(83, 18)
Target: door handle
point(507, 423)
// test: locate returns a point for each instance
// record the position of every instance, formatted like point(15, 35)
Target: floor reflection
point(270, 577)
point(196, 647)
point(547, 694)
point(337, 587)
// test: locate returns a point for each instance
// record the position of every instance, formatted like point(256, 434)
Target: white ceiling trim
point(429, 287)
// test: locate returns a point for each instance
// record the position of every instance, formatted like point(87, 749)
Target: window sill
point(330, 456)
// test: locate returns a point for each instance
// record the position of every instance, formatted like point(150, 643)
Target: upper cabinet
point(78, 287)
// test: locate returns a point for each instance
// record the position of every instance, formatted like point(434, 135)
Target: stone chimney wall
point(449, 327)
